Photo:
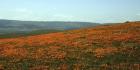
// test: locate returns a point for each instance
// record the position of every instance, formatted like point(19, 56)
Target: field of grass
point(112, 47)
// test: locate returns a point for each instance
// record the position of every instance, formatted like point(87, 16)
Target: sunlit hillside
point(105, 47)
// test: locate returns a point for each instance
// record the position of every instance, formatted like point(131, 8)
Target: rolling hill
point(16, 26)
point(105, 47)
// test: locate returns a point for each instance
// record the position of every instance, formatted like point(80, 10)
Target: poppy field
point(105, 47)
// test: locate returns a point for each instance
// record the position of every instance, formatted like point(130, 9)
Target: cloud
point(22, 10)
point(62, 16)
point(138, 14)
point(23, 14)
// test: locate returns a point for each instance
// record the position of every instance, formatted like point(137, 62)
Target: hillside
point(17, 26)
point(106, 47)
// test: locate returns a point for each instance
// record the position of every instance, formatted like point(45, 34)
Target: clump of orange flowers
point(101, 52)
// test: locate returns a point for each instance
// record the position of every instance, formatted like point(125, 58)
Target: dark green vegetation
point(31, 33)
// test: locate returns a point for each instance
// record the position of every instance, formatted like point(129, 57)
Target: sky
point(102, 11)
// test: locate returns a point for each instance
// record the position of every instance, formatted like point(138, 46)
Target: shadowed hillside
point(106, 47)
point(16, 26)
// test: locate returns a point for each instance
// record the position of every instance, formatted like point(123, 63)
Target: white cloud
point(24, 14)
point(22, 10)
point(62, 16)
point(138, 14)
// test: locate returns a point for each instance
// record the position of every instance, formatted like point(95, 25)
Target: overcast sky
point(71, 10)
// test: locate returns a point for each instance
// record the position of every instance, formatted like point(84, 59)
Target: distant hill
point(12, 26)
point(106, 47)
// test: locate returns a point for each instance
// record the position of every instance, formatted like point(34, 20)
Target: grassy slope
point(88, 49)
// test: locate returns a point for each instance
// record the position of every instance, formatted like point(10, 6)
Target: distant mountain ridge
point(9, 26)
